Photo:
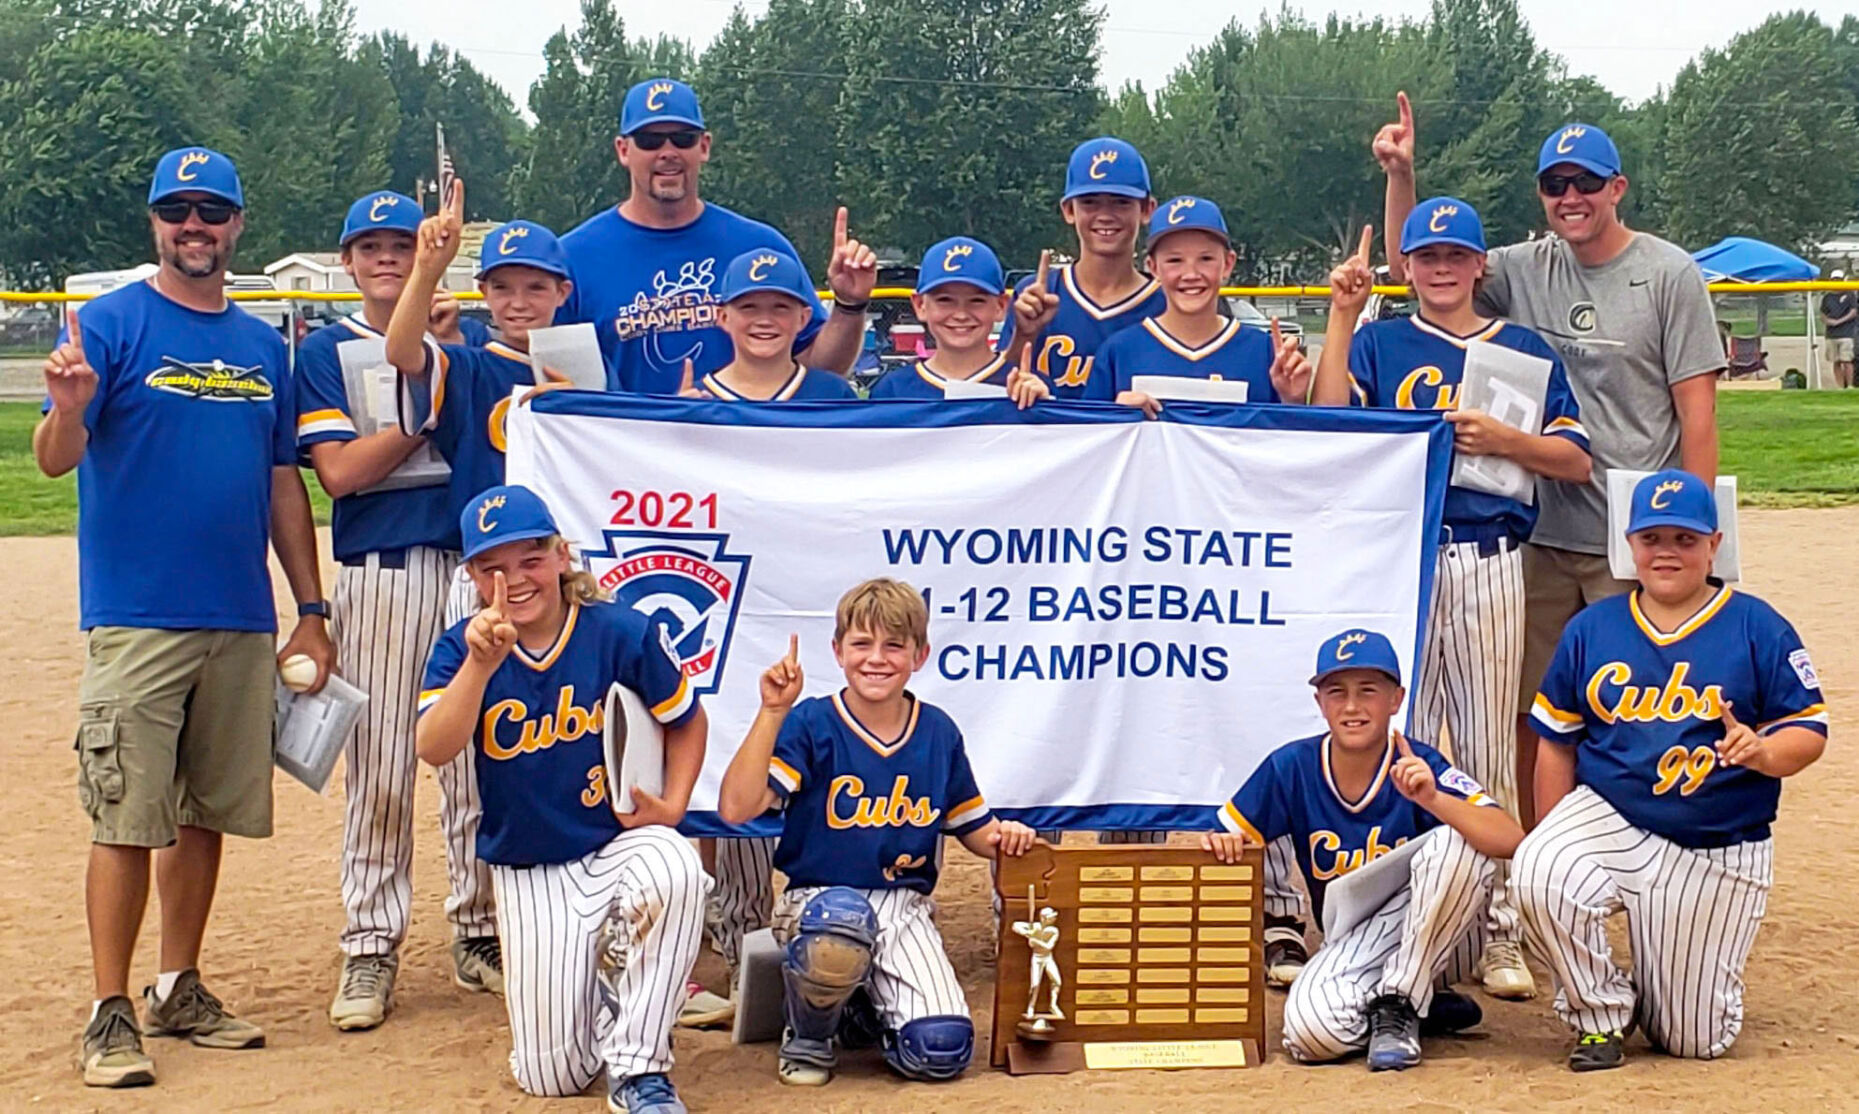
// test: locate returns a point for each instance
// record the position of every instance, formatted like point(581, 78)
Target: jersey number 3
point(1691, 766)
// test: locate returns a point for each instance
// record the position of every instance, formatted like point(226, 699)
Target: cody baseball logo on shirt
point(687, 585)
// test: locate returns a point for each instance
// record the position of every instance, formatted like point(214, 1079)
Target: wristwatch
point(319, 608)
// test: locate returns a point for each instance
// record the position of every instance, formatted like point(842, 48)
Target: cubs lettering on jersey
point(1644, 709)
point(865, 812)
point(1065, 349)
point(537, 747)
point(1293, 793)
point(465, 411)
point(1410, 364)
point(918, 381)
point(1237, 353)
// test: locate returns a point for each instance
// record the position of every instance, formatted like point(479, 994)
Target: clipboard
point(634, 743)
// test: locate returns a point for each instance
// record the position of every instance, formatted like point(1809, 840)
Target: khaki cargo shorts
point(1557, 583)
point(1837, 350)
point(175, 728)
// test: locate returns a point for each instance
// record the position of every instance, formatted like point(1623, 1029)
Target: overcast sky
point(1632, 46)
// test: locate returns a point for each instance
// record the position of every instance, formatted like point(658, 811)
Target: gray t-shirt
point(1627, 330)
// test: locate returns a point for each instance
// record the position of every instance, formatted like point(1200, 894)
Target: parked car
point(1248, 314)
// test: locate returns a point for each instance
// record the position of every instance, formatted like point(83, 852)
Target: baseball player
point(765, 305)
point(602, 912)
point(1068, 313)
point(869, 780)
point(1346, 798)
point(1668, 718)
point(960, 297)
point(1190, 255)
point(397, 548)
point(1474, 644)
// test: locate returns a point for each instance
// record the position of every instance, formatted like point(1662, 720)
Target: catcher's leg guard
point(931, 1048)
point(827, 959)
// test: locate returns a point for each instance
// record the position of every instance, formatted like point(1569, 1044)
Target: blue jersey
point(1643, 710)
point(649, 293)
point(537, 747)
point(1408, 364)
point(1237, 354)
point(465, 415)
point(805, 385)
point(362, 523)
point(917, 381)
point(1064, 350)
point(867, 812)
point(1292, 793)
point(192, 412)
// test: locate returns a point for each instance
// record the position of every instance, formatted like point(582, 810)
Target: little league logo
point(687, 585)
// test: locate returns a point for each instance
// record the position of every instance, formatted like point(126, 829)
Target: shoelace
point(1503, 954)
point(486, 950)
point(364, 979)
point(649, 1089)
point(1596, 1038)
point(1387, 1015)
point(199, 1001)
point(119, 1032)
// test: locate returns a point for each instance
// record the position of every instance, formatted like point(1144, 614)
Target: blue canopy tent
point(1742, 259)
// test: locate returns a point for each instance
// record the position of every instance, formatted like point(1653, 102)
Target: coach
point(175, 409)
point(1632, 320)
point(645, 270)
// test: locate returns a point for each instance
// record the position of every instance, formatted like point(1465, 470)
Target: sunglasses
point(210, 212)
point(1586, 183)
point(652, 141)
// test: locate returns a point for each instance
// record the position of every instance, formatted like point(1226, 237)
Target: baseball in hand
point(298, 672)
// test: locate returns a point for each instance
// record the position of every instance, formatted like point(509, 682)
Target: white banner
point(1123, 613)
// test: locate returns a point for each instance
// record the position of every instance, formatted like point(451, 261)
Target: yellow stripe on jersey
point(676, 704)
point(324, 421)
point(964, 813)
point(1565, 423)
point(1689, 626)
point(1100, 312)
point(787, 775)
point(1564, 721)
point(1813, 713)
point(429, 697)
point(1231, 819)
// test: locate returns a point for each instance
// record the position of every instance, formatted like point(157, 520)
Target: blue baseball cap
point(196, 170)
point(659, 101)
point(1582, 144)
point(1357, 649)
point(395, 212)
point(765, 269)
point(1106, 165)
point(524, 243)
point(1443, 220)
point(499, 515)
point(1186, 214)
point(1673, 498)
point(961, 259)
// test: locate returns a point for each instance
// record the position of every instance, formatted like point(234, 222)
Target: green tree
point(486, 138)
point(1760, 138)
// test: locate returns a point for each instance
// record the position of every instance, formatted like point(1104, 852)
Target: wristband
point(849, 307)
point(319, 608)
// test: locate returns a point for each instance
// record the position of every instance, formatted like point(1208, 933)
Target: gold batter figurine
point(1042, 938)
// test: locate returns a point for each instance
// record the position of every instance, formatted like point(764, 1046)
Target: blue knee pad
point(828, 958)
point(931, 1048)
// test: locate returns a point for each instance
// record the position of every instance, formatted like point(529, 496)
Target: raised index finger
point(793, 649)
point(1368, 242)
point(1045, 265)
point(1729, 718)
point(456, 202)
point(1407, 111)
point(74, 334)
point(839, 228)
point(1278, 337)
point(1400, 744)
point(500, 592)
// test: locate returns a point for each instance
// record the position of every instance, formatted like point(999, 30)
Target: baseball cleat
point(1598, 1052)
point(366, 993)
point(190, 1010)
point(1505, 974)
point(112, 1053)
point(477, 963)
point(1393, 1034)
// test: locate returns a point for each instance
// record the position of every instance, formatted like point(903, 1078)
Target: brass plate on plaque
point(1156, 954)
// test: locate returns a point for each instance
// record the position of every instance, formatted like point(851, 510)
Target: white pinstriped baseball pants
point(641, 899)
point(1692, 916)
point(385, 621)
point(1467, 680)
point(744, 897)
point(1428, 930)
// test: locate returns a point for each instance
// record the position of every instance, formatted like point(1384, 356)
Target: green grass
point(1787, 448)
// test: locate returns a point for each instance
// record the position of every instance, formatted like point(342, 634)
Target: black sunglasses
point(652, 141)
point(1586, 183)
point(210, 212)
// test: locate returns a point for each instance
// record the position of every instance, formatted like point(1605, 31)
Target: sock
point(96, 1005)
point(164, 984)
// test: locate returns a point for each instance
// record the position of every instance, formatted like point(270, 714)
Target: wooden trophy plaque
point(1158, 952)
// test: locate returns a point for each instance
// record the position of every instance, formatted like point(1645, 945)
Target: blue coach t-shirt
point(192, 412)
point(651, 293)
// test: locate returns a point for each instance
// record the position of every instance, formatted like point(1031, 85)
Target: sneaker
point(644, 1094)
point(1284, 961)
point(191, 1011)
point(477, 963)
point(705, 1010)
point(805, 1063)
point(1393, 1034)
point(1505, 974)
point(1451, 1012)
point(112, 1047)
point(1598, 1052)
point(366, 993)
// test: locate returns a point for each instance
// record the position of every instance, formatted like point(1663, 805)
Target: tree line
point(928, 118)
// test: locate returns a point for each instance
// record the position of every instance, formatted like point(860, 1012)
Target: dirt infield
point(271, 950)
